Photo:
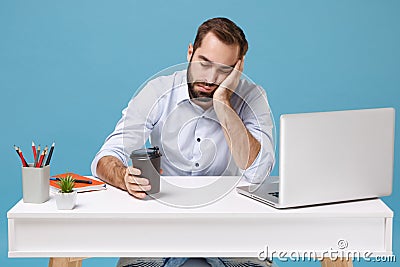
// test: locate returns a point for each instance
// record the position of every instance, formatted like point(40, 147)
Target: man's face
point(209, 65)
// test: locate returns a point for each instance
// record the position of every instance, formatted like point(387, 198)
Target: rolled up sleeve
point(134, 127)
point(113, 146)
point(257, 117)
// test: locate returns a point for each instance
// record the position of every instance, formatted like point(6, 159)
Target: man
point(200, 118)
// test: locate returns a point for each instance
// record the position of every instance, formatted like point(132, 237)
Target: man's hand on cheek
point(228, 86)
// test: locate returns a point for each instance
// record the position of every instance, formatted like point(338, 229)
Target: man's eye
point(205, 64)
point(225, 71)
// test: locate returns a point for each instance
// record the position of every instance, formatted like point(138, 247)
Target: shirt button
point(197, 164)
point(198, 139)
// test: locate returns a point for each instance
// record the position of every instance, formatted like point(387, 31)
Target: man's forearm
point(242, 144)
point(112, 170)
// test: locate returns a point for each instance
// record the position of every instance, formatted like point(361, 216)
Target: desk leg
point(65, 262)
point(327, 262)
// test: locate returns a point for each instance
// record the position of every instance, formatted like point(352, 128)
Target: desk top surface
point(205, 197)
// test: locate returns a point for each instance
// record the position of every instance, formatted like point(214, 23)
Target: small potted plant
point(66, 196)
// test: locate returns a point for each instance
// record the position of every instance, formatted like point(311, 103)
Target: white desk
point(110, 223)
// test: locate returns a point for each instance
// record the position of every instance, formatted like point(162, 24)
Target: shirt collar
point(181, 86)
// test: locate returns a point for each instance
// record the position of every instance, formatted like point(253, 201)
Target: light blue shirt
point(190, 139)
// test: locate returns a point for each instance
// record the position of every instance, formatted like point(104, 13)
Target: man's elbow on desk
point(260, 169)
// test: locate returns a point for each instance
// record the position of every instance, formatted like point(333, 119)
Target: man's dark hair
point(225, 30)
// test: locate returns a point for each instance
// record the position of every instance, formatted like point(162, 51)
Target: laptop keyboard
point(275, 194)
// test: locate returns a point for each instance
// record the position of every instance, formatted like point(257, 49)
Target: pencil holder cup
point(35, 184)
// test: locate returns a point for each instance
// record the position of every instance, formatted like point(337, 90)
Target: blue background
point(67, 68)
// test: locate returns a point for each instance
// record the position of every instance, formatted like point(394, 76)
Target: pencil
point(50, 154)
point(37, 156)
point(23, 158)
point(16, 150)
point(24, 163)
point(46, 149)
point(20, 156)
point(76, 181)
point(39, 164)
point(34, 150)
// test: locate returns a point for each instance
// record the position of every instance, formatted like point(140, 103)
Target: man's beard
point(198, 95)
point(195, 94)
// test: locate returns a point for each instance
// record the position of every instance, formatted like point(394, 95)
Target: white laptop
point(330, 157)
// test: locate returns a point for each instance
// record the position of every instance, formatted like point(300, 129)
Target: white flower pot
point(66, 201)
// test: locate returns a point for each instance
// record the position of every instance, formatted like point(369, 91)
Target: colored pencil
point(76, 181)
point(24, 163)
point(46, 149)
point(20, 156)
point(37, 156)
point(39, 164)
point(34, 150)
point(23, 158)
point(16, 150)
point(50, 154)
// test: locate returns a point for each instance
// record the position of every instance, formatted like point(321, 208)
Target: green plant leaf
point(66, 184)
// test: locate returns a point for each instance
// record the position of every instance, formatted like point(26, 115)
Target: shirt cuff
point(260, 168)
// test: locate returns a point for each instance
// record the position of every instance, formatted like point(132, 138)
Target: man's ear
point(190, 52)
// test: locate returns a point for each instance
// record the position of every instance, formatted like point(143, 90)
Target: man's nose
point(212, 75)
